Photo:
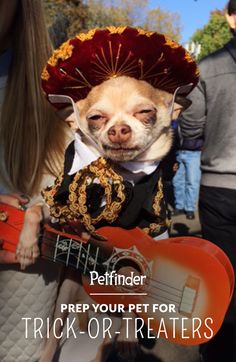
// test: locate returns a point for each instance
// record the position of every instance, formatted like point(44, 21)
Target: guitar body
point(184, 271)
point(188, 285)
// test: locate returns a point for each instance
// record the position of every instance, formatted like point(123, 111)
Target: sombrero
point(91, 58)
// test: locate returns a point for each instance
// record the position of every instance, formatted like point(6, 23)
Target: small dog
point(130, 121)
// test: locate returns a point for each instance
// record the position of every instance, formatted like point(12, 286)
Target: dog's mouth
point(120, 148)
point(120, 153)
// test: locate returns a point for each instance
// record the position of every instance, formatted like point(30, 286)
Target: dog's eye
point(145, 111)
point(95, 117)
point(146, 115)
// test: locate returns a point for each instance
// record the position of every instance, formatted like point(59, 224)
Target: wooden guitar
point(189, 273)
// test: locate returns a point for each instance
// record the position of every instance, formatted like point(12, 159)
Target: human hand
point(14, 200)
point(175, 166)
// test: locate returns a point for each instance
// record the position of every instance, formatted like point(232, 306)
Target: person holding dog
point(32, 142)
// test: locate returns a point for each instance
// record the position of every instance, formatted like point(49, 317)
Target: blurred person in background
point(213, 116)
point(186, 181)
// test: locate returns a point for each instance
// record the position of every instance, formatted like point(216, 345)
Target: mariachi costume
point(99, 194)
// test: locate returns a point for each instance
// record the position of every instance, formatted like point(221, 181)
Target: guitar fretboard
point(82, 256)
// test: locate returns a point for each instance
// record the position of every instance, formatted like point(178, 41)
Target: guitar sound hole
point(124, 263)
point(129, 269)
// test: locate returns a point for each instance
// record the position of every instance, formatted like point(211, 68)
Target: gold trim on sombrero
point(171, 43)
point(188, 57)
point(144, 32)
point(147, 74)
point(45, 75)
point(84, 82)
point(116, 29)
point(86, 36)
point(64, 52)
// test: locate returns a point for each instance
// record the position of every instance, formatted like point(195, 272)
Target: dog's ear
point(180, 105)
point(72, 121)
point(73, 118)
point(176, 110)
point(68, 115)
point(180, 102)
point(80, 105)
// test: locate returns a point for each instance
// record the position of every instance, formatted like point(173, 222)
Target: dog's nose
point(119, 133)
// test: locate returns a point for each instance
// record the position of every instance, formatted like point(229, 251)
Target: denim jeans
point(187, 180)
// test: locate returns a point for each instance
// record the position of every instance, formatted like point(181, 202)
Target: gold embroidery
point(188, 57)
point(64, 52)
point(156, 227)
point(165, 82)
point(106, 68)
point(84, 82)
point(86, 36)
point(158, 198)
point(57, 210)
point(144, 32)
point(109, 180)
point(116, 29)
point(76, 207)
point(45, 75)
point(171, 43)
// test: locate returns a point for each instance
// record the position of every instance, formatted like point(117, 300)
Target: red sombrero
point(91, 58)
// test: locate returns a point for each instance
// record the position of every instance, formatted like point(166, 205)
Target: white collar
point(83, 155)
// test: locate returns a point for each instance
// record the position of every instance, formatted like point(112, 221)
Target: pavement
point(181, 226)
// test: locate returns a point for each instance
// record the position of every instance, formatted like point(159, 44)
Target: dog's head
point(128, 119)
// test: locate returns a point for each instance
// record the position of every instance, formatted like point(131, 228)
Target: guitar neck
point(71, 251)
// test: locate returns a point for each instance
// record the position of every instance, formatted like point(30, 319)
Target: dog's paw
point(27, 249)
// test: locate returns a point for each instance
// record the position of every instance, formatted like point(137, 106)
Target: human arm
point(15, 200)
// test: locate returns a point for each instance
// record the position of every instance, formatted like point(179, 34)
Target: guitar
point(190, 274)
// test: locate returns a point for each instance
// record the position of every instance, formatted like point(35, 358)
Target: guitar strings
point(150, 294)
point(150, 279)
point(103, 260)
point(120, 264)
